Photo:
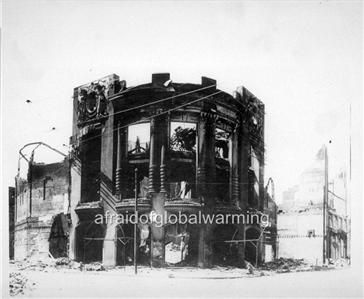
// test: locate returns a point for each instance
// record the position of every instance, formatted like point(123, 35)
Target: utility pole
point(30, 182)
point(325, 208)
point(348, 192)
point(136, 219)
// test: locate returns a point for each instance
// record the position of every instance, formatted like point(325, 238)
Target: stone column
point(158, 138)
point(235, 168)
point(206, 178)
point(153, 157)
point(157, 184)
point(110, 246)
point(121, 162)
point(163, 187)
point(206, 171)
point(244, 164)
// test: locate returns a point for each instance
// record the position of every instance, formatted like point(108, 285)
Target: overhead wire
point(155, 115)
point(164, 112)
point(168, 111)
point(157, 101)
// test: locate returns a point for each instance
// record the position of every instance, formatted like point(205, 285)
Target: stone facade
point(179, 148)
point(218, 166)
point(11, 221)
point(40, 201)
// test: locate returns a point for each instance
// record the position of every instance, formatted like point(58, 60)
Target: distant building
point(338, 226)
point(288, 198)
point(301, 220)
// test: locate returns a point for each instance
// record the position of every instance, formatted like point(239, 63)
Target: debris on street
point(94, 267)
point(33, 265)
point(283, 265)
point(17, 283)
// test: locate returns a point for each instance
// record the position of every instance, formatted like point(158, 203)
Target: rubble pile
point(93, 267)
point(58, 263)
point(62, 261)
point(340, 262)
point(17, 283)
point(284, 265)
point(65, 262)
point(32, 265)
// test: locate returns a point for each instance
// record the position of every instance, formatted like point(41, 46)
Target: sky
point(302, 59)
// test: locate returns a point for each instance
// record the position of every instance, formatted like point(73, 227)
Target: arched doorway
point(252, 235)
point(125, 244)
point(225, 253)
point(89, 241)
point(58, 237)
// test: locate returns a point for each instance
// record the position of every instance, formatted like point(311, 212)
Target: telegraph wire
point(336, 195)
point(155, 115)
point(155, 102)
point(147, 104)
point(261, 147)
point(168, 111)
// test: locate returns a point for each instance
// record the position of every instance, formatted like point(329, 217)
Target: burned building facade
point(41, 221)
point(167, 148)
point(191, 148)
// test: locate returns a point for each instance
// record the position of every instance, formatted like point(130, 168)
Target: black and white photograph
point(182, 149)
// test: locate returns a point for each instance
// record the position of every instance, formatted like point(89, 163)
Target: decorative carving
point(92, 98)
point(153, 171)
point(163, 171)
point(91, 102)
point(208, 116)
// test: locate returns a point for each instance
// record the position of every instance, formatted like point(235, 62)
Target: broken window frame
point(139, 150)
point(178, 234)
point(183, 157)
point(89, 154)
point(190, 125)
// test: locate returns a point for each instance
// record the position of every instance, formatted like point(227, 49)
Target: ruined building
point(11, 221)
point(42, 211)
point(179, 148)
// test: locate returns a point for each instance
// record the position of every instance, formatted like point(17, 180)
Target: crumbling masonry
point(197, 149)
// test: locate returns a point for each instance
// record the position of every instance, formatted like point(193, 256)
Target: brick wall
point(49, 184)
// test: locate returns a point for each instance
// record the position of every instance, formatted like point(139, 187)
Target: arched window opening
point(90, 152)
point(125, 244)
point(182, 170)
point(138, 157)
point(139, 139)
point(183, 137)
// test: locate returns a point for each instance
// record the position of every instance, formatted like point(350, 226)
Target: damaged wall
point(11, 221)
point(43, 196)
